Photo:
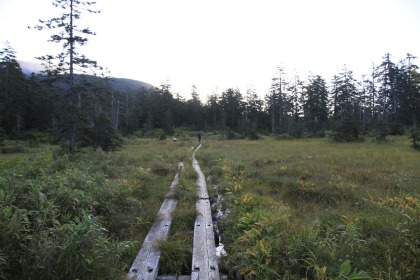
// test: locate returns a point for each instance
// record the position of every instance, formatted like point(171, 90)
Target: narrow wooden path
point(146, 264)
point(204, 263)
point(204, 260)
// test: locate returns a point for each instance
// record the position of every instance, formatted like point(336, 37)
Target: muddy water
point(218, 216)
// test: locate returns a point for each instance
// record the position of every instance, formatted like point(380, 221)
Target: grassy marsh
point(319, 210)
point(298, 208)
point(83, 216)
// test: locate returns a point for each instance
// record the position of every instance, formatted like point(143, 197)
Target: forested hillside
point(76, 104)
point(329, 191)
point(386, 101)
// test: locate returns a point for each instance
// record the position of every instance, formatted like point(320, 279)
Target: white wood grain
point(204, 263)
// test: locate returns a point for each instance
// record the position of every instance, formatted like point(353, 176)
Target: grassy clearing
point(299, 209)
point(319, 210)
point(83, 216)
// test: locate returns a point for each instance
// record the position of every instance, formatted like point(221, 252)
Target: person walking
point(199, 137)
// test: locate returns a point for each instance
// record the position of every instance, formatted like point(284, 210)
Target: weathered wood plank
point(201, 180)
point(204, 263)
point(183, 277)
point(146, 264)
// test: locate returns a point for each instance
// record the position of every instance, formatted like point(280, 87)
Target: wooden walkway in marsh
point(146, 264)
point(204, 263)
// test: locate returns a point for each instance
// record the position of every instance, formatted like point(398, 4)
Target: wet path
point(205, 262)
point(204, 259)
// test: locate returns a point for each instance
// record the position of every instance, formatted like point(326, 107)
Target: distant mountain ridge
point(123, 84)
point(30, 67)
point(120, 84)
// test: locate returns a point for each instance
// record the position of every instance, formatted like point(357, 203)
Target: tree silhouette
point(13, 88)
point(71, 36)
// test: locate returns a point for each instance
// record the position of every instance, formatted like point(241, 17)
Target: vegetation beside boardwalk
point(299, 209)
point(304, 208)
point(315, 210)
point(82, 216)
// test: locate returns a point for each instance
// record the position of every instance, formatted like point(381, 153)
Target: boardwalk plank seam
point(146, 264)
point(205, 265)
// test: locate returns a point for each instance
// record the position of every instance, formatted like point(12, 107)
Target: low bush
point(283, 137)
point(63, 218)
point(396, 129)
point(13, 147)
point(253, 135)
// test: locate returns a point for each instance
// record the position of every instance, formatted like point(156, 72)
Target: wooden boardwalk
point(146, 264)
point(204, 263)
point(204, 260)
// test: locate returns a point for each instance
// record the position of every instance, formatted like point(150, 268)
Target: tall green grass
point(319, 210)
point(299, 209)
point(176, 256)
point(83, 216)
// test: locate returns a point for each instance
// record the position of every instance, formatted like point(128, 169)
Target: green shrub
point(346, 129)
point(231, 135)
point(3, 135)
point(396, 129)
point(61, 216)
point(161, 168)
point(162, 137)
point(253, 135)
point(155, 133)
point(13, 147)
point(138, 134)
point(283, 137)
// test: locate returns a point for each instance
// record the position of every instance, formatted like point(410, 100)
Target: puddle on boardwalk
point(218, 216)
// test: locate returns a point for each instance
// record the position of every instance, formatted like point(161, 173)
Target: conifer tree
point(271, 101)
point(294, 107)
point(253, 110)
point(71, 36)
point(344, 97)
point(316, 104)
point(387, 77)
point(232, 105)
point(213, 112)
point(411, 98)
point(194, 110)
point(370, 90)
point(13, 92)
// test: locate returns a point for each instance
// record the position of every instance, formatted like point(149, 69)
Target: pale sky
point(217, 44)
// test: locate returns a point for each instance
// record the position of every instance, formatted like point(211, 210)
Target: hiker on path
point(199, 137)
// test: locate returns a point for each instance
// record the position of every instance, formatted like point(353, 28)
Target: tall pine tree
point(71, 36)
point(13, 92)
point(316, 105)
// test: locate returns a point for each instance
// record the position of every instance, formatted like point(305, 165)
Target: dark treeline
point(385, 101)
point(69, 107)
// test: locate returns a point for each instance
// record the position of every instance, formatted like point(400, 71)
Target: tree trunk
point(112, 108)
point(149, 122)
point(126, 110)
point(373, 95)
point(247, 122)
point(18, 124)
point(415, 132)
point(6, 97)
point(117, 116)
point(273, 116)
point(72, 130)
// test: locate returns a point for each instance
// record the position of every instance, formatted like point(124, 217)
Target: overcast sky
point(216, 44)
